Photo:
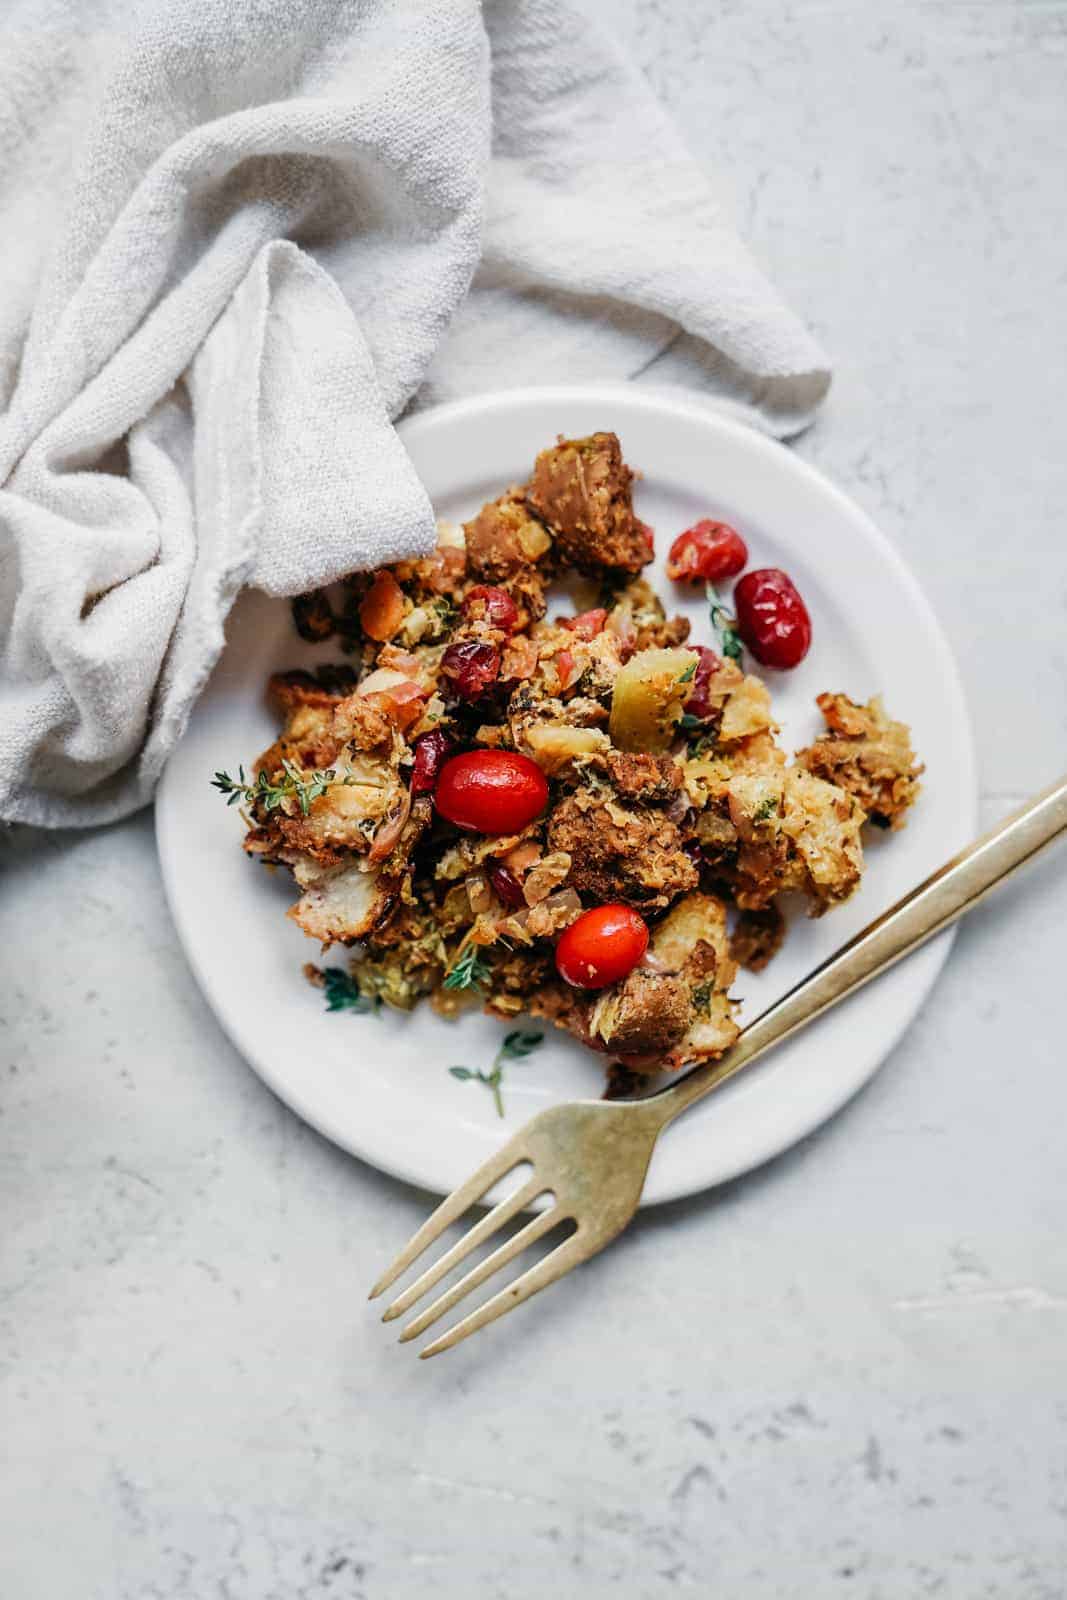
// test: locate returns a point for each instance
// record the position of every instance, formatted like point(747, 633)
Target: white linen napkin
point(239, 235)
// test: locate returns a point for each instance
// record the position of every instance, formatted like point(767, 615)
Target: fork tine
point(553, 1266)
point(459, 1201)
point(471, 1239)
point(542, 1223)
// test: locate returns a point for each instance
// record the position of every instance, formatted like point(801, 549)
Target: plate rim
point(660, 401)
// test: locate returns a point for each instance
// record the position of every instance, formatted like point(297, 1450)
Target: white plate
point(380, 1086)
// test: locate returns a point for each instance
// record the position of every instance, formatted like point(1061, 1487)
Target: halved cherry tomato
point(587, 624)
point(772, 619)
point(381, 610)
point(495, 605)
point(601, 947)
point(707, 551)
point(491, 791)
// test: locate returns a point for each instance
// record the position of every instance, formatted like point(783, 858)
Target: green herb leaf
point(766, 808)
point(304, 789)
point(725, 624)
point(687, 722)
point(234, 790)
point(344, 994)
point(518, 1044)
point(444, 615)
point(701, 997)
point(689, 674)
point(469, 972)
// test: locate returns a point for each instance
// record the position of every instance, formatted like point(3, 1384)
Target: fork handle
point(941, 900)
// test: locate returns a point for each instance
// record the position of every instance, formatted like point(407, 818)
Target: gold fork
point(591, 1157)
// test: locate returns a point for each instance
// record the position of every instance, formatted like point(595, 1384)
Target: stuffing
point(867, 754)
point(655, 779)
point(344, 904)
point(581, 490)
point(667, 789)
point(647, 1014)
point(621, 852)
point(504, 539)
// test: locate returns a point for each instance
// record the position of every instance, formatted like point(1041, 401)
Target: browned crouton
point(581, 489)
point(620, 852)
point(867, 754)
point(646, 1014)
point(644, 777)
point(504, 538)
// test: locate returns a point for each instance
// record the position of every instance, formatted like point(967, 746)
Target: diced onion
point(390, 831)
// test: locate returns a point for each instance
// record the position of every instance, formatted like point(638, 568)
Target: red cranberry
point(772, 619)
point(472, 667)
point(497, 607)
point(698, 704)
point(431, 753)
point(507, 887)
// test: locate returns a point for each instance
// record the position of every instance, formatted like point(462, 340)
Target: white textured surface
point(843, 1376)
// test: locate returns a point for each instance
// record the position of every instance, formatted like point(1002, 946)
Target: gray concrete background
point(842, 1376)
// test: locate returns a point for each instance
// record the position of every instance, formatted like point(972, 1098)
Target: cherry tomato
point(587, 624)
point(707, 550)
point(601, 947)
point(698, 704)
point(491, 791)
point(471, 667)
point(431, 753)
point(772, 619)
point(496, 606)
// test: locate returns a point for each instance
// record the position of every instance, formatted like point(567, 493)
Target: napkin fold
point(241, 236)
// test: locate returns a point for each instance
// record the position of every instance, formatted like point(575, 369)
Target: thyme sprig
point(302, 787)
point(516, 1046)
point(725, 624)
point(469, 971)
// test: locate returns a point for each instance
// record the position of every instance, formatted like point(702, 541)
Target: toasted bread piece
point(504, 539)
point(344, 904)
point(868, 754)
point(621, 851)
point(581, 489)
